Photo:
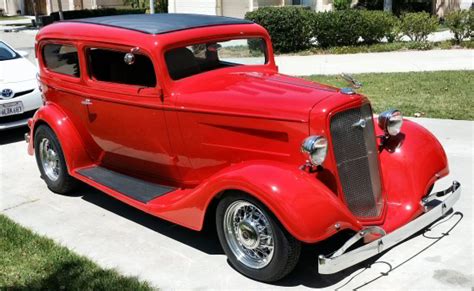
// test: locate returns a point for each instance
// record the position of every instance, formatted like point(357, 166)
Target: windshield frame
point(10, 49)
point(191, 42)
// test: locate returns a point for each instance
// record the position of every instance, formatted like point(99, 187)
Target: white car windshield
point(6, 53)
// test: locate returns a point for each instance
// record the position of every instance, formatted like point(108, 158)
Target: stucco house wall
point(11, 7)
point(238, 8)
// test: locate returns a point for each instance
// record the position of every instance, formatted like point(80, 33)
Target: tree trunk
point(60, 10)
point(387, 6)
point(152, 6)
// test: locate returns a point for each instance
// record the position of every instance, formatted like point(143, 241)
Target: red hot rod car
point(186, 117)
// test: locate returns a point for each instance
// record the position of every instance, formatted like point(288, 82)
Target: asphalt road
point(118, 236)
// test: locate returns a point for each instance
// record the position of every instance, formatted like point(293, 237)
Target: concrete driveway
point(117, 236)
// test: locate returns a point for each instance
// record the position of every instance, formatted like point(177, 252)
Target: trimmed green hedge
point(375, 25)
point(417, 26)
point(337, 28)
point(289, 27)
point(349, 27)
point(75, 14)
point(293, 28)
point(461, 23)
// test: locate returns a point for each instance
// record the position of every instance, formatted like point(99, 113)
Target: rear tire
point(51, 162)
point(253, 240)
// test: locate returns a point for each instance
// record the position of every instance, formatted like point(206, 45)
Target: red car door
point(125, 117)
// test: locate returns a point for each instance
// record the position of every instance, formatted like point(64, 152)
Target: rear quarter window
point(109, 66)
point(62, 59)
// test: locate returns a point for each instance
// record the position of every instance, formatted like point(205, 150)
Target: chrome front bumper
point(341, 259)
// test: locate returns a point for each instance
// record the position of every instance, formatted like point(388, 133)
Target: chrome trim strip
point(339, 260)
point(14, 124)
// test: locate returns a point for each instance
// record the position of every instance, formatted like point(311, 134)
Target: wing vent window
point(62, 59)
point(109, 66)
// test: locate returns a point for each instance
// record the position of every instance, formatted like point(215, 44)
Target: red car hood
point(269, 95)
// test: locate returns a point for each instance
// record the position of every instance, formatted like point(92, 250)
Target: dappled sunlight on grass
point(448, 94)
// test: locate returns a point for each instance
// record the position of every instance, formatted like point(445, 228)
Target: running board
point(134, 188)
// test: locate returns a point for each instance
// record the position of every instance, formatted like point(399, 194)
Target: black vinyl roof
point(161, 22)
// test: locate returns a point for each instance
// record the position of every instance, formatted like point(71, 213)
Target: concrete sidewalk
point(409, 61)
point(170, 257)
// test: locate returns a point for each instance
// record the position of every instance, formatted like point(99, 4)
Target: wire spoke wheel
point(249, 234)
point(49, 159)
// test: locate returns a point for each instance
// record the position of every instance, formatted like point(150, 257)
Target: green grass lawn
point(448, 94)
point(384, 47)
point(11, 17)
point(30, 261)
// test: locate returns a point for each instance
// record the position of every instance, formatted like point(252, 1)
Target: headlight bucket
point(391, 121)
point(316, 148)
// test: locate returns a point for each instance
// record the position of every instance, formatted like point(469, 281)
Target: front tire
point(51, 163)
point(253, 240)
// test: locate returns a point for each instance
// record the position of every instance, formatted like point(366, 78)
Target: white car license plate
point(11, 108)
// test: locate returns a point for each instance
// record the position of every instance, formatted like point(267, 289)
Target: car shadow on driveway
point(13, 135)
point(205, 241)
point(306, 271)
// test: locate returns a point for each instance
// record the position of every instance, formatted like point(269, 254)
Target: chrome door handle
point(86, 101)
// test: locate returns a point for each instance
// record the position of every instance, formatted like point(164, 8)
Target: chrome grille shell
point(356, 154)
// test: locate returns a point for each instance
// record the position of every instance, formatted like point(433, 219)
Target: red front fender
point(305, 206)
point(68, 137)
point(409, 171)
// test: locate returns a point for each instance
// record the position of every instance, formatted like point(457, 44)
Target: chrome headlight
point(316, 147)
point(391, 121)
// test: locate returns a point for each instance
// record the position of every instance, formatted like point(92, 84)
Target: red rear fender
point(71, 143)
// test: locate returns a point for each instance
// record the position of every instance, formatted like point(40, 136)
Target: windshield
point(194, 59)
point(6, 53)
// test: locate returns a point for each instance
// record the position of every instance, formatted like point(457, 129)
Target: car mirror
point(23, 53)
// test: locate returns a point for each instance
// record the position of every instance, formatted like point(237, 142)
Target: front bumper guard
point(341, 259)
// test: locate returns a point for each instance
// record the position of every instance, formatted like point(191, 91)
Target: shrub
point(417, 26)
point(161, 6)
point(420, 46)
point(460, 23)
point(342, 4)
point(337, 28)
point(289, 27)
point(396, 33)
point(74, 14)
point(375, 25)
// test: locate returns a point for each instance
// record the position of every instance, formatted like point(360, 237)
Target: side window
point(109, 66)
point(62, 59)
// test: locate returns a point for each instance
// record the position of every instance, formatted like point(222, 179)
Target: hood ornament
point(351, 80)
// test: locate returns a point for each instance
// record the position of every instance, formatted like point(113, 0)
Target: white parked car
point(19, 93)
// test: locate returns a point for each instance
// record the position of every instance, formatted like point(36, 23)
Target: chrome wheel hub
point(49, 159)
point(249, 234)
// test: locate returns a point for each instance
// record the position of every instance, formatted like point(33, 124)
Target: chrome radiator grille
point(355, 150)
